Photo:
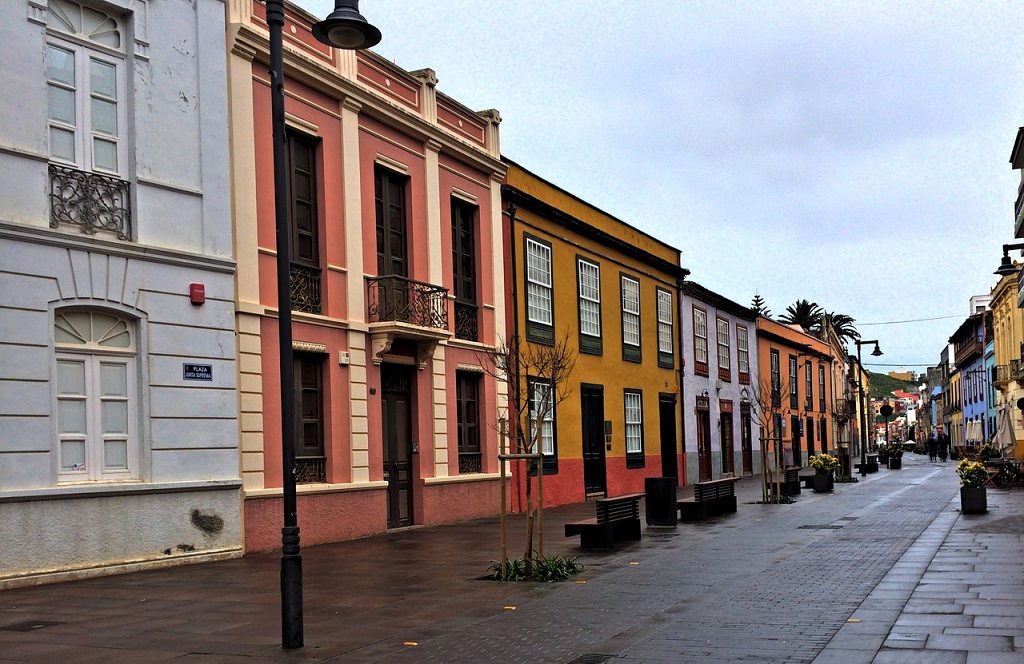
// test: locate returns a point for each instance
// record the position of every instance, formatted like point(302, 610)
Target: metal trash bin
point(660, 501)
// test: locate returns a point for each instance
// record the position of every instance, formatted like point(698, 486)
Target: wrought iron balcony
point(401, 300)
point(1001, 375)
point(470, 462)
point(1017, 370)
point(304, 283)
point(844, 409)
point(310, 470)
point(91, 201)
point(467, 325)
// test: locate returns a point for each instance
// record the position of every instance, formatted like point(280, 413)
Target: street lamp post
point(860, 400)
point(342, 28)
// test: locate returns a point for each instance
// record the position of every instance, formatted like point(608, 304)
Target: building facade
point(119, 442)
point(969, 356)
point(721, 368)
point(396, 273)
point(1007, 341)
point(582, 277)
point(795, 394)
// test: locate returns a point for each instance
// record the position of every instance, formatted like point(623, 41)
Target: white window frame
point(700, 336)
point(588, 275)
point(539, 285)
point(93, 356)
point(665, 343)
point(84, 52)
point(634, 422)
point(809, 385)
point(724, 347)
point(547, 432)
point(630, 297)
point(742, 350)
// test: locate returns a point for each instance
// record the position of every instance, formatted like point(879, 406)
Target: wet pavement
point(885, 570)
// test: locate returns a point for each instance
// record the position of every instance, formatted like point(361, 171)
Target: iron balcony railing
point(310, 470)
point(91, 201)
point(467, 326)
point(1001, 374)
point(304, 283)
point(403, 300)
point(1016, 370)
point(470, 462)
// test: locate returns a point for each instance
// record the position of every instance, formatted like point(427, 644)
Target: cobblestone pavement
point(885, 570)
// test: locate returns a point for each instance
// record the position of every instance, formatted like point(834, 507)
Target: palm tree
point(842, 325)
point(803, 313)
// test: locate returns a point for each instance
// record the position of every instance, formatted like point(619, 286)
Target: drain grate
point(661, 535)
point(29, 626)
point(819, 527)
point(591, 658)
point(848, 518)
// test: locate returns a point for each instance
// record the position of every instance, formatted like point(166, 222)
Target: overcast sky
point(855, 154)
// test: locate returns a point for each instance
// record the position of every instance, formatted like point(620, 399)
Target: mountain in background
point(882, 386)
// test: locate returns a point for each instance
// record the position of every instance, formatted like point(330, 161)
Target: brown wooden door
point(594, 471)
point(746, 435)
point(396, 416)
point(728, 452)
point(810, 437)
point(794, 433)
point(703, 445)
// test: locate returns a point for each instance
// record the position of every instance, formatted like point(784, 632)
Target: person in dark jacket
point(943, 441)
point(933, 447)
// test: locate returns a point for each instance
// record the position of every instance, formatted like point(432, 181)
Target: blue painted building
point(969, 342)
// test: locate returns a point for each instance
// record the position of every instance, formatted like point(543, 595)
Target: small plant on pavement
point(972, 474)
point(545, 570)
point(824, 464)
point(846, 479)
point(777, 500)
point(989, 451)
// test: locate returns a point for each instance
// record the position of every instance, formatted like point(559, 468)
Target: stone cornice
point(129, 250)
point(244, 39)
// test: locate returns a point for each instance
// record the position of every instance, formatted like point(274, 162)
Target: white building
point(118, 408)
point(721, 373)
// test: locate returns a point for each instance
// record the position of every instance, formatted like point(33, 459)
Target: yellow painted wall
point(609, 369)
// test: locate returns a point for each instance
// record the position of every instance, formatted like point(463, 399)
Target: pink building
point(396, 279)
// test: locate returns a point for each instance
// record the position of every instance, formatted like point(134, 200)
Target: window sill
point(100, 490)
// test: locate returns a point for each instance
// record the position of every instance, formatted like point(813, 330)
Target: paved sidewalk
point(772, 583)
point(955, 597)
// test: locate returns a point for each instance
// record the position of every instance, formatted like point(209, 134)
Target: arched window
point(97, 399)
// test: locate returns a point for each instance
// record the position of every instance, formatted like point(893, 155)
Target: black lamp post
point(1006, 266)
point(860, 400)
point(344, 24)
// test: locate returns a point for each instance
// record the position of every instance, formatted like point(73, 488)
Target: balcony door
point(392, 245)
point(392, 235)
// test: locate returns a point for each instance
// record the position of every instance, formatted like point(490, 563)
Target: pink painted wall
point(323, 518)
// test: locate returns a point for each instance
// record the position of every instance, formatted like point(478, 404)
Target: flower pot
point(973, 500)
point(883, 459)
point(895, 463)
point(823, 483)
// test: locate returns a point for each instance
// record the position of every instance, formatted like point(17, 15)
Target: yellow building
point(1008, 333)
point(956, 412)
point(612, 292)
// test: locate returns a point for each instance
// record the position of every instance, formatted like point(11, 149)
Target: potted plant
point(989, 451)
point(883, 454)
point(973, 499)
point(825, 466)
point(895, 456)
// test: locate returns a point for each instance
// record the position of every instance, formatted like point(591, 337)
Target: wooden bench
point(617, 519)
point(709, 498)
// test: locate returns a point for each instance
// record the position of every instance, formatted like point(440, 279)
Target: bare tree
point(766, 404)
point(538, 380)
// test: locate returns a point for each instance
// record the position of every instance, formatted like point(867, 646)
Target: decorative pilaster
point(433, 189)
point(250, 400)
point(439, 389)
point(428, 93)
point(358, 407)
point(353, 210)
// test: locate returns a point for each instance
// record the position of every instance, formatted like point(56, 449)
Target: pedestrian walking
point(933, 447)
point(943, 441)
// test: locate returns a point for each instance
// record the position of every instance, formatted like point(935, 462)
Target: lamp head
point(1006, 267)
point(346, 28)
point(877, 351)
